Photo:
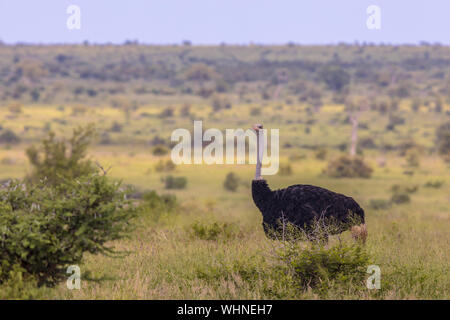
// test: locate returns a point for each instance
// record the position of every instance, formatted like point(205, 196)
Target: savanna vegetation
point(371, 122)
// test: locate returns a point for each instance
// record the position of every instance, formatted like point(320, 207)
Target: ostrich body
point(303, 205)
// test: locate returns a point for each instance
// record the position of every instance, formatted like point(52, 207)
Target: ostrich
point(304, 205)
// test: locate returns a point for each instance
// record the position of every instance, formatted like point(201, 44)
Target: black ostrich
point(304, 205)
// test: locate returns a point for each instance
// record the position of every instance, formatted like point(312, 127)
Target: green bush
point(154, 206)
point(152, 200)
point(8, 136)
point(379, 204)
point(397, 189)
point(164, 166)
point(285, 169)
point(434, 184)
point(220, 103)
point(172, 182)
point(231, 182)
point(443, 140)
point(45, 227)
point(413, 158)
point(116, 127)
point(321, 267)
point(255, 111)
point(334, 77)
point(400, 198)
point(320, 154)
point(212, 231)
point(59, 160)
point(21, 285)
point(347, 167)
point(160, 150)
point(166, 113)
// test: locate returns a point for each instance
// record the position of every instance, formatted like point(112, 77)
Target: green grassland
point(136, 95)
point(410, 242)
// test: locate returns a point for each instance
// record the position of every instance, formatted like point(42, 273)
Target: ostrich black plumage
point(302, 205)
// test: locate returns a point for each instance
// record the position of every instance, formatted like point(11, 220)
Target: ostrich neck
point(259, 153)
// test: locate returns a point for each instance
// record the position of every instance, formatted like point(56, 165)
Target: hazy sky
point(229, 21)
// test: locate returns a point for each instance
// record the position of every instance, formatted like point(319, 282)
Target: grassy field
point(166, 260)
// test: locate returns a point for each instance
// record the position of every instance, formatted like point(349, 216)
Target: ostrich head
point(257, 127)
point(259, 150)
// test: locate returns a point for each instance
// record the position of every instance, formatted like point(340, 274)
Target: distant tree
point(58, 159)
point(185, 110)
point(35, 95)
point(401, 90)
point(172, 182)
point(219, 103)
point(200, 72)
point(166, 113)
point(415, 105)
point(438, 105)
point(15, 107)
point(355, 109)
point(335, 77)
point(30, 69)
point(443, 140)
point(222, 86)
point(231, 182)
point(8, 136)
point(124, 104)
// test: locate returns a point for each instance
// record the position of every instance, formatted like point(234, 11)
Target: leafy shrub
point(285, 169)
point(219, 103)
point(404, 189)
point(8, 136)
point(415, 104)
point(78, 110)
point(347, 167)
point(185, 110)
point(200, 72)
point(400, 198)
point(319, 266)
point(58, 160)
point(154, 206)
point(334, 77)
point(231, 182)
point(379, 204)
point(105, 139)
point(394, 121)
point(164, 166)
point(7, 161)
point(443, 140)
point(166, 113)
point(172, 182)
point(320, 154)
point(434, 184)
point(160, 150)
point(165, 201)
point(15, 107)
point(212, 231)
point(412, 158)
point(20, 285)
point(367, 143)
point(116, 127)
point(255, 111)
point(221, 86)
point(48, 227)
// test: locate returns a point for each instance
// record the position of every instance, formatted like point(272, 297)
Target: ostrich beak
point(257, 127)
